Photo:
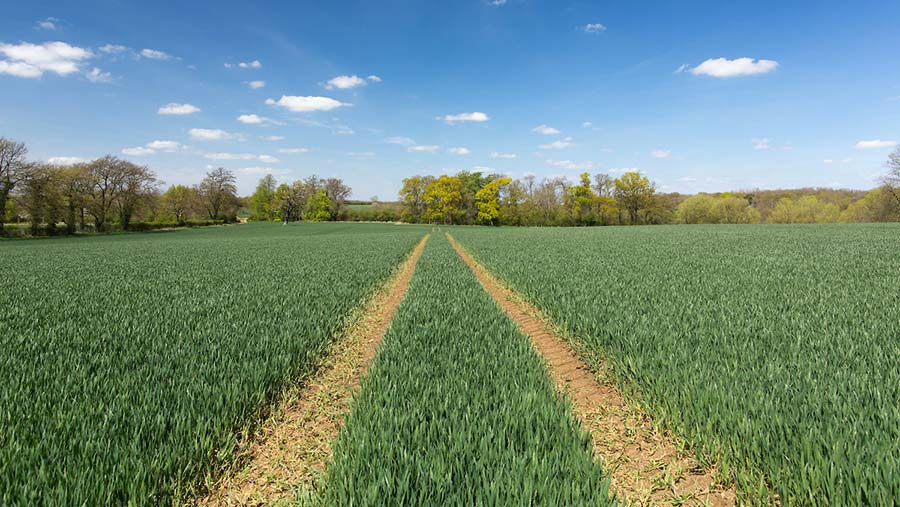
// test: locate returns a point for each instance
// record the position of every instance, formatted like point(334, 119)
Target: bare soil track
point(290, 451)
point(646, 466)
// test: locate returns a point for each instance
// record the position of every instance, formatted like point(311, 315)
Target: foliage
point(722, 209)
point(218, 193)
point(633, 192)
point(318, 209)
point(262, 202)
point(458, 409)
point(772, 348)
point(128, 364)
point(443, 200)
point(805, 210)
point(487, 200)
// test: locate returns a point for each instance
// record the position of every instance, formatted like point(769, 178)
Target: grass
point(129, 364)
point(458, 409)
point(771, 348)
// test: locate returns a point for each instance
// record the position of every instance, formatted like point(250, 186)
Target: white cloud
point(681, 68)
point(545, 130)
point(251, 119)
point(558, 145)
point(174, 108)
point(483, 169)
point(65, 160)
point(402, 141)
point(155, 54)
point(594, 28)
point(724, 68)
point(345, 82)
point(98, 76)
point(361, 154)
point(459, 151)
point(498, 2)
point(587, 124)
point(168, 146)
point(428, 148)
point(262, 170)
point(138, 151)
point(762, 144)
point(154, 147)
point(293, 151)
point(373, 78)
point(230, 156)
point(461, 117)
point(47, 24)
point(876, 143)
point(113, 49)
point(211, 135)
point(507, 156)
point(256, 85)
point(31, 61)
point(268, 159)
point(273, 138)
point(661, 153)
point(301, 104)
point(344, 132)
point(570, 164)
point(255, 64)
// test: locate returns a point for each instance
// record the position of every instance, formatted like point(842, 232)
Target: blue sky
point(698, 95)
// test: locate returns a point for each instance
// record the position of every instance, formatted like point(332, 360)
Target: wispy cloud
point(177, 109)
point(594, 28)
point(428, 148)
point(875, 143)
point(661, 153)
point(459, 151)
point(256, 85)
point(545, 130)
point(155, 54)
point(507, 156)
point(211, 135)
point(559, 144)
point(400, 140)
point(476, 117)
point(255, 64)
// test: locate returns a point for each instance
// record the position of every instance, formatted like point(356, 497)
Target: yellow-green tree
point(443, 200)
point(580, 199)
point(805, 210)
point(487, 200)
point(319, 208)
point(633, 192)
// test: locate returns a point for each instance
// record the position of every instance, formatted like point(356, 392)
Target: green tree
point(412, 198)
point(180, 201)
point(218, 194)
point(262, 202)
point(805, 210)
point(487, 200)
point(14, 169)
point(580, 199)
point(319, 208)
point(633, 192)
point(443, 200)
point(730, 209)
point(696, 209)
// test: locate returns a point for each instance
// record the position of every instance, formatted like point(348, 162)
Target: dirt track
point(289, 453)
point(647, 467)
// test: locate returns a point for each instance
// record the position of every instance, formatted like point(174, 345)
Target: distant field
point(774, 347)
point(128, 363)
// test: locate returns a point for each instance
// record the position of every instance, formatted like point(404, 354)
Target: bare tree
point(107, 180)
point(892, 179)
point(218, 192)
point(14, 169)
point(338, 193)
point(138, 186)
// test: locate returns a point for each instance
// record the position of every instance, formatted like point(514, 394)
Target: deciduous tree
point(443, 200)
point(218, 193)
point(633, 192)
point(487, 200)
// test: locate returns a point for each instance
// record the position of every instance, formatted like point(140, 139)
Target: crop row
point(458, 409)
point(772, 348)
point(128, 364)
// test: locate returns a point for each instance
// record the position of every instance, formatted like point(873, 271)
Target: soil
point(286, 459)
point(646, 466)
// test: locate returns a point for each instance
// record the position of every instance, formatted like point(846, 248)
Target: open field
point(129, 364)
point(773, 348)
point(456, 378)
point(135, 368)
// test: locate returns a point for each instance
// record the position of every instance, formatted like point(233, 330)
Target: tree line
point(104, 195)
point(630, 199)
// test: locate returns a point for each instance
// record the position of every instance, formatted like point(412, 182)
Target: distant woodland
point(110, 194)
